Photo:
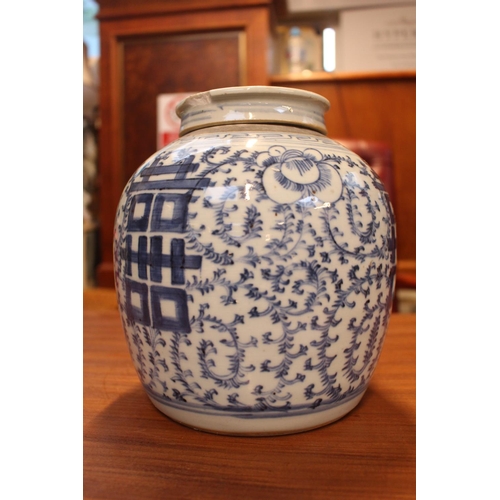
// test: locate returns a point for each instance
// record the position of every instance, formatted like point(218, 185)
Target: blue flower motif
point(292, 175)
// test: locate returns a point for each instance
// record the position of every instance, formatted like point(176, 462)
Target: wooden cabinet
point(153, 47)
point(162, 46)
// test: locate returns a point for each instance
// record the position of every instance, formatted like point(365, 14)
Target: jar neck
point(254, 127)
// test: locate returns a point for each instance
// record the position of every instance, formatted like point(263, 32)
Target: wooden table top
point(132, 451)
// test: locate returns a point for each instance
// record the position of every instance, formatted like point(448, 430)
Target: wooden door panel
point(163, 64)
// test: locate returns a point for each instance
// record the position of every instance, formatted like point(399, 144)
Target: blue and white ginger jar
point(254, 265)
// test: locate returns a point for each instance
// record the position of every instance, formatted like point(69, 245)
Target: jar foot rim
point(235, 426)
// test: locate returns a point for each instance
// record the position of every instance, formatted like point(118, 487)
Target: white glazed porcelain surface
point(255, 273)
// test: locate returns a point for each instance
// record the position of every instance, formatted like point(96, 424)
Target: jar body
point(255, 270)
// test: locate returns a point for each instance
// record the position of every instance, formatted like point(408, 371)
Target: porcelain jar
point(254, 266)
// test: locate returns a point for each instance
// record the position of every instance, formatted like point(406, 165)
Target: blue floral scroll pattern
point(255, 281)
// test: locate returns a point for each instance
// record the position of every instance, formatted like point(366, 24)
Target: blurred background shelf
point(324, 76)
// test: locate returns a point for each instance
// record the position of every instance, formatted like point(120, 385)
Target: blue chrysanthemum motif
point(292, 175)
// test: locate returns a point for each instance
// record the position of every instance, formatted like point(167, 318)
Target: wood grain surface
point(132, 451)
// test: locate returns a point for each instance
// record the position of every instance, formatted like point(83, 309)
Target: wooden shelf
point(323, 76)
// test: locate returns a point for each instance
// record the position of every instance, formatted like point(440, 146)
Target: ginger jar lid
point(255, 104)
